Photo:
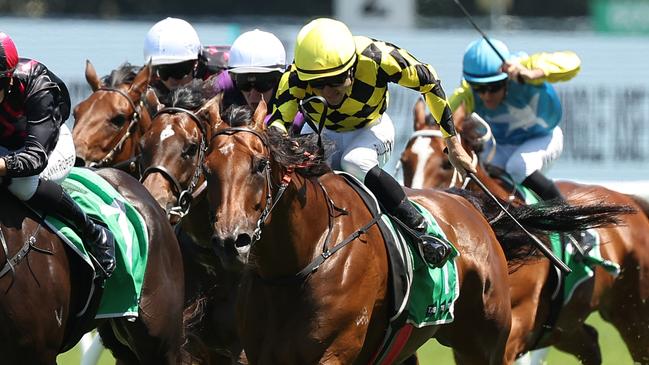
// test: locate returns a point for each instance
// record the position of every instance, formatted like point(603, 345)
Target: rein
point(135, 117)
point(10, 263)
point(185, 196)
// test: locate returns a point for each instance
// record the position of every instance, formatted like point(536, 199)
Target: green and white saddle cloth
point(582, 267)
point(101, 201)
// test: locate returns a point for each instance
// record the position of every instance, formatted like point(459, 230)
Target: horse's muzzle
point(232, 251)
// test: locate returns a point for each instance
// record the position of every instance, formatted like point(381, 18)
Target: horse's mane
point(190, 96)
point(238, 115)
point(124, 74)
point(301, 153)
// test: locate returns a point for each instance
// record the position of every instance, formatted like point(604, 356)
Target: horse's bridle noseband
point(185, 196)
point(135, 118)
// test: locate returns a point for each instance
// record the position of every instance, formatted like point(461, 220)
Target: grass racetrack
point(614, 351)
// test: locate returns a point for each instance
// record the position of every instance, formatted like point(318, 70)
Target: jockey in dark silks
point(37, 149)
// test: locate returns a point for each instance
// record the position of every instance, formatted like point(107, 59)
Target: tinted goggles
point(176, 70)
point(261, 82)
point(491, 88)
point(333, 81)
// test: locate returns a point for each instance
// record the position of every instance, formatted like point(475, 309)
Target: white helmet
point(257, 52)
point(171, 40)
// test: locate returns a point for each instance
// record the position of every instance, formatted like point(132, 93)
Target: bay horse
point(110, 121)
point(172, 154)
point(40, 289)
point(622, 301)
point(315, 269)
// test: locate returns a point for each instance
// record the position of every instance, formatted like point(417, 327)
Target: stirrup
point(433, 250)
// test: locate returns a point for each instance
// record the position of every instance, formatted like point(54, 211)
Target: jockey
point(520, 105)
point(257, 61)
point(37, 148)
point(212, 60)
point(352, 74)
point(172, 47)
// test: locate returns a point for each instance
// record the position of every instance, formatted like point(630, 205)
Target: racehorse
point(111, 120)
point(172, 153)
point(315, 266)
point(41, 289)
point(622, 300)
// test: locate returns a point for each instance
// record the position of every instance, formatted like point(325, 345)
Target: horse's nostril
point(243, 240)
point(79, 162)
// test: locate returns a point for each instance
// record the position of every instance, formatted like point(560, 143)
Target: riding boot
point(392, 197)
point(548, 191)
point(100, 242)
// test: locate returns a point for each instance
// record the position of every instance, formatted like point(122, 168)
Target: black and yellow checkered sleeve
point(404, 69)
point(285, 104)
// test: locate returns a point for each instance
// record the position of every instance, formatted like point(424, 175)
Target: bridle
point(135, 118)
point(185, 196)
point(270, 201)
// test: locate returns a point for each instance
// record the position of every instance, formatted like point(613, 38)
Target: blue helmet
point(481, 64)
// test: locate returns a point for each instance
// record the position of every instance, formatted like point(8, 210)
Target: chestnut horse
point(109, 122)
point(623, 300)
point(173, 149)
point(41, 291)
point(315, 269)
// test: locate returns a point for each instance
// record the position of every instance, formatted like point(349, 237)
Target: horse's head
point(238, 170)
point(173, 148)
point(115, 112)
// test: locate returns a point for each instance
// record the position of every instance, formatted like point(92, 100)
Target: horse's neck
point(297, 227)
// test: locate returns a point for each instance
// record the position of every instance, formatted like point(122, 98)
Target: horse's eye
point(190, 150)
point(261, 166)
point(119, 120)
point(446, 165)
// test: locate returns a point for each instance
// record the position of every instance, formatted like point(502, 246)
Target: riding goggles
point(176, 70)
point(332, 81)
point(490, 88)
point(261, 82)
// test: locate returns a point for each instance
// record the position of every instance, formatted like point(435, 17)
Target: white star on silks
point(520, 117)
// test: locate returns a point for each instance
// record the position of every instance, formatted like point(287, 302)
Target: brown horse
point(173, 150)
point(281, 215)
point(41, 289)
point(109, 123)
point(622, 301)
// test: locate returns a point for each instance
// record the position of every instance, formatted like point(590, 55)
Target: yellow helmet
point(324, 48)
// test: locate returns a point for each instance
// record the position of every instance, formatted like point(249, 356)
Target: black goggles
point(332, 81)
point(490, 88)
point(176, 70)
point(261, 82)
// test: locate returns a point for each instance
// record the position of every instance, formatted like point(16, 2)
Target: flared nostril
point(243, 240)
point(79, 162)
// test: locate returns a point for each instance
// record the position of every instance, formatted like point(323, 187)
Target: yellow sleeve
point(404, 69)
point(557, 66)
point(462, 94)
point(285, 105)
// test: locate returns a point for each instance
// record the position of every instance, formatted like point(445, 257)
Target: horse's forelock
point(124, 74)
point(189, 97)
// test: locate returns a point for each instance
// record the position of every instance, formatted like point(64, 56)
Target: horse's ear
point(91, 76)
point(211, 113)
point(419, 115)
point(141, 82)
point(260, 115)
point(152, 101)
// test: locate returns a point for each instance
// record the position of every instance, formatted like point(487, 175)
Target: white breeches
point(59, 165)
point(357, 151)
point(520, 161)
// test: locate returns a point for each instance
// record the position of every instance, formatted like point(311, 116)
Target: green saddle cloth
point(101, 201)
point(582, 267)
point(433, 291)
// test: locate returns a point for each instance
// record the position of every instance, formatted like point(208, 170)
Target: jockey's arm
point(405, 70)
point(542, 67)
point(285, 105)
point(42, 129)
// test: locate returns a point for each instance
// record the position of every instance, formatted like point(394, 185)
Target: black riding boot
point(52, 199)
point(391, 195)
point(547, 190)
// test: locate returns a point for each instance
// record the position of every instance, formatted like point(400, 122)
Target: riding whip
point(484, 36)
point(545, 250)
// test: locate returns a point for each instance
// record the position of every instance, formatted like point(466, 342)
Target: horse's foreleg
point(582, 343)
